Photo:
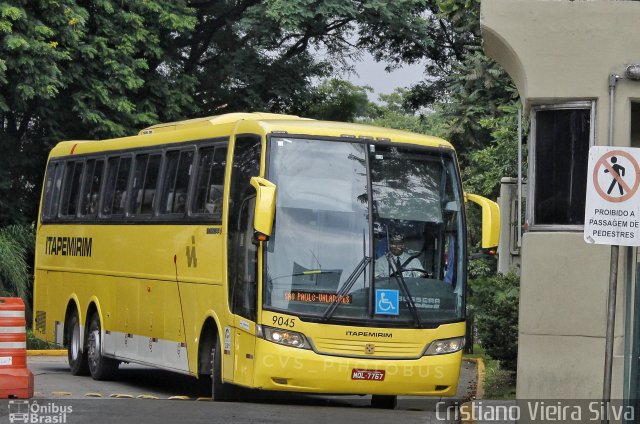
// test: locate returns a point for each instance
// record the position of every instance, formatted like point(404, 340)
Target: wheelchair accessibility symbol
point(387, 302)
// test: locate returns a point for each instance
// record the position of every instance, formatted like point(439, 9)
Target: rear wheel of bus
point(101, 368)
point(76, 354)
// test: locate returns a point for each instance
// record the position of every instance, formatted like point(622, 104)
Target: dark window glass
point(116, 186)
point(246, 164)
point(176, 182)
point(245, 290)
point(72, 178)
point(91, 187)
point(145, 179)
point(52, 186)
point(210, 182)
point(561, 156)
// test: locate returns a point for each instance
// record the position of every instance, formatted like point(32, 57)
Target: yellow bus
point(259, 250)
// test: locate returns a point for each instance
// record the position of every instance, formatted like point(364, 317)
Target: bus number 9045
point(284, 322)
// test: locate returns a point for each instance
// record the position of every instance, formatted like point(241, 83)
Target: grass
point(498, 383)
point(36, 344)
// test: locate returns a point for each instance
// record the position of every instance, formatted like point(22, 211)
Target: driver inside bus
point(397, 258)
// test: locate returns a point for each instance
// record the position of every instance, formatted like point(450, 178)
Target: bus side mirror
point(265, 208)
point(490, 220)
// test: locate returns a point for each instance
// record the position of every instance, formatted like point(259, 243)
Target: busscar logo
point(24, 411)
point(69, 246)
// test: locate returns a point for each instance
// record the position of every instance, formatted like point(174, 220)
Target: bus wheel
point(101, 368)
point(76, 355)
point(220, 391)
point(384, 401)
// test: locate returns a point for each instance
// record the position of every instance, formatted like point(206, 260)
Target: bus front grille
point(368, 348)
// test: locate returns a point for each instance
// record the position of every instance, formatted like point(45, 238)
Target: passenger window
point(53, 184)
point(210, 182)
point(145, 179)
point(91, 187)
point(176, 182)
point(116, 186)
point(73, 174)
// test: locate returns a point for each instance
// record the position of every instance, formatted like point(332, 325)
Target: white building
point(561, 55)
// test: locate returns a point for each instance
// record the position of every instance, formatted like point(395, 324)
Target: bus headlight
point(440, 347)
point(283, 337)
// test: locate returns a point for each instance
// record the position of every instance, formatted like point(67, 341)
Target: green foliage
point(337, 100)
point(464, 85)
point(486, 166)
point(495, 302)
point(33, 343)
point(499, 383)
point(16, 248)
point(392, 112)
point(82, 70)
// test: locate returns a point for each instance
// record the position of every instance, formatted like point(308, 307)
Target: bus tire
point(76, 354)
point(384, 401)
point(101, 368)
point(220, 391)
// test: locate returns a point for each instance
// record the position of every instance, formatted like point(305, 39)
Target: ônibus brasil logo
point(31, 412)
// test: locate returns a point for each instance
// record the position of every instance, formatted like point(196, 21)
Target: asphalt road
point(142, 394)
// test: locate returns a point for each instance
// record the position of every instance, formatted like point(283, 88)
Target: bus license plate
point(373, 375)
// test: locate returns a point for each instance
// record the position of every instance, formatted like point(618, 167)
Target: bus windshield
point(365, 232)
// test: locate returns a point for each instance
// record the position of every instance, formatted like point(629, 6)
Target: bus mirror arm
point(490, 219)
point(265, 208)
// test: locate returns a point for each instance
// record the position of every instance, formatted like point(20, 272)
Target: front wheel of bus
point(384, 401)
point(76, 355)
point(101, 368)
point(220, 391)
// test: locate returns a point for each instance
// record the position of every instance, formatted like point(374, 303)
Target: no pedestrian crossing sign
point(612, 210)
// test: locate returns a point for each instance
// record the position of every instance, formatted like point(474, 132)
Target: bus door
point(244, 297)
point(242, 259)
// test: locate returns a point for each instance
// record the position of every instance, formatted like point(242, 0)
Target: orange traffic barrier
point(16, 381)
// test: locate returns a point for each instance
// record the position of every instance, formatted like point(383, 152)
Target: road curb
point(466, 409)
point(48, 352)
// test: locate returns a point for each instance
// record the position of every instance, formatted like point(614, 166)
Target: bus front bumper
point(290, 369)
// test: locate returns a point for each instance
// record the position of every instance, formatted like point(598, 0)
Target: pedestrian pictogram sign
point(612, 210)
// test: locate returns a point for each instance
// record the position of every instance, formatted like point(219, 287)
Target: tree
point(338, 100)
point(393, 112)
point(462, 84)
point(81, 69)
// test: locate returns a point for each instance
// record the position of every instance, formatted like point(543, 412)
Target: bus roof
point(221, 125)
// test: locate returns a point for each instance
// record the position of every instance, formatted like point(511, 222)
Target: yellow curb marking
point(468, 411)
point(61, 393)
point(204, 399)
point(179, 398)
point(93, 395)
point(147, 397)
point(120, 396)
point(51, 352)
point(481, 376)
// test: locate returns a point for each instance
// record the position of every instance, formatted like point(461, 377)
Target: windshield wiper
point(397, 274)
point(346, 287)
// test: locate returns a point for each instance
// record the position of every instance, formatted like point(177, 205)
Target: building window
point(561, 136)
